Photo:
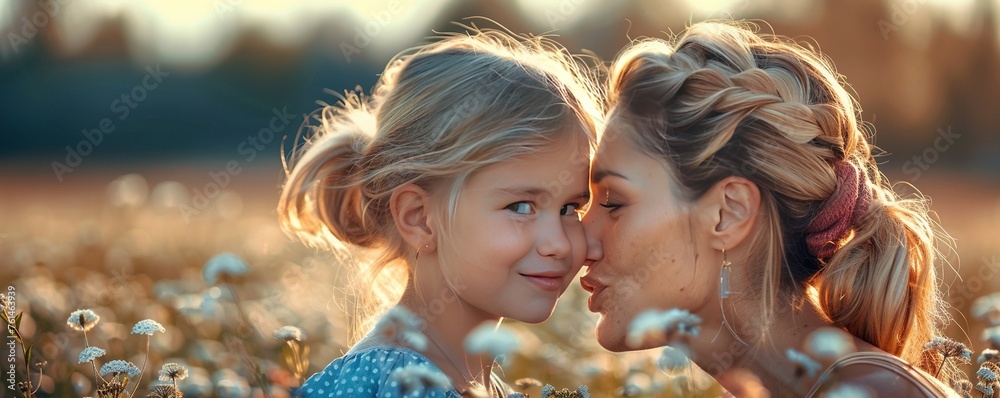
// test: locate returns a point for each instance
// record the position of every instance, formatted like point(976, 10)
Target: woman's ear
point(730, 209)
point(411, 211)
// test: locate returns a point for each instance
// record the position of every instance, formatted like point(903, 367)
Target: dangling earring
point(724, 277)
point(417, 257)
point(723, 293)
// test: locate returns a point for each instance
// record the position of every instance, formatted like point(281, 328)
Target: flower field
point(215, 300)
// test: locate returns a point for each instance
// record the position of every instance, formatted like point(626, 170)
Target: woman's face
point(641, 253)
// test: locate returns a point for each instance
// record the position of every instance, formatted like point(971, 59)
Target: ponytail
point(322, 197)
point(323, 203)
point(881, 285)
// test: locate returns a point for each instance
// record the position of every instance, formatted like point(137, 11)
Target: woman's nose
point(591, 229)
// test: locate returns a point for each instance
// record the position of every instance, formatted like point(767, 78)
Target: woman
point(735, 181)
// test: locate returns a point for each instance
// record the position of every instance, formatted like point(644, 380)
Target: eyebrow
point(534, 191)
point(600, 174)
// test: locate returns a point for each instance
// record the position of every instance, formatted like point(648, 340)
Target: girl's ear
point(411, 211)
point(729, 209)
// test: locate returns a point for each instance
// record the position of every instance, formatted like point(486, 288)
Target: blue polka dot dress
point(366, 374)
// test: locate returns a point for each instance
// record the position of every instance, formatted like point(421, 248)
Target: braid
point(722, 100)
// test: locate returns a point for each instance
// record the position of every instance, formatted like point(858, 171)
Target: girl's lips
point(546, 283)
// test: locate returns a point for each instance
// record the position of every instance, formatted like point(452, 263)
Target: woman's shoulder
point(881, 374)
point(368, 373)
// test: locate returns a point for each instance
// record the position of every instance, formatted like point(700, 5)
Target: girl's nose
point(553, 241)
point(595, 252)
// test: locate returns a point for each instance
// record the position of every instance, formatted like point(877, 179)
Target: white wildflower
point(990, 355)
point(628, 390)
point(673, 359)
point(417, 378)
point(401, 326)
point(288, 333)
point(148, 327)
point(118, 367)
point(496, 341)
point(987, 308)
point(992, 336)
point(83, 320)
point(848, 391)
point(223, 264)
point(662, 323)
point(173, 371)
point(164, 391)
point(949, 348)
point(985, 388)
point(829, 343)
point(963, 387)
point(809, 365)
point(986, 375)
point(232, 387)
point(414, 339)
point(90, 353)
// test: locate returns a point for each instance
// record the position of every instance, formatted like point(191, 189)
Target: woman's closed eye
point(612, 201)
point(611, 206)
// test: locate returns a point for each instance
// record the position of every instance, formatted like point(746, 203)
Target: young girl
point(463, 175)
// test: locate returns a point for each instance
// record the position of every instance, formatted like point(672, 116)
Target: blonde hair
point(438, 114)
point(723, 100)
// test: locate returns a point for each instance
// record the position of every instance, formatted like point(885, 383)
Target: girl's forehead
point(559, 163)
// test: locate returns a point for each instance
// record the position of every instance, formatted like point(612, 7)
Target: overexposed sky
point(198, 33)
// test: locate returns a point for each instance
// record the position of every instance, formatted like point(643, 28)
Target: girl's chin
point(533, 315)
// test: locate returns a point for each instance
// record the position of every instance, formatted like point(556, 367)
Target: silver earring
point(723, 293)
point(724, 277)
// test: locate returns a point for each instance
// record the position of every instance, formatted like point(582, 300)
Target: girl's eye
point(571, 208)
point(521, 208)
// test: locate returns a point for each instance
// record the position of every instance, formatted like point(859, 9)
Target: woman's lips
point(595, 288)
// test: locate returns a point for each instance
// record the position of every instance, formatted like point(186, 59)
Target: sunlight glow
point(83, 19)
point(560, 15)
point(199, 33)
point(7, 10)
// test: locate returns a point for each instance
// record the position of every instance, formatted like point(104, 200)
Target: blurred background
point(140, 138)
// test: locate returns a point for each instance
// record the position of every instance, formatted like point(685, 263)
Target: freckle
point(682, 289)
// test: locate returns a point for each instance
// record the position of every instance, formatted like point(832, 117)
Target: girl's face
point(517, 241)
point(641, 252)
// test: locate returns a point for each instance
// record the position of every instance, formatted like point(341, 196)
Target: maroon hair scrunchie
point(840, 213)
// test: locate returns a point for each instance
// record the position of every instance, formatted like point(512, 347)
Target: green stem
point(143, 369)
point(93, 362)
point(258, 377)
point(20, 339)
point(41, 373)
